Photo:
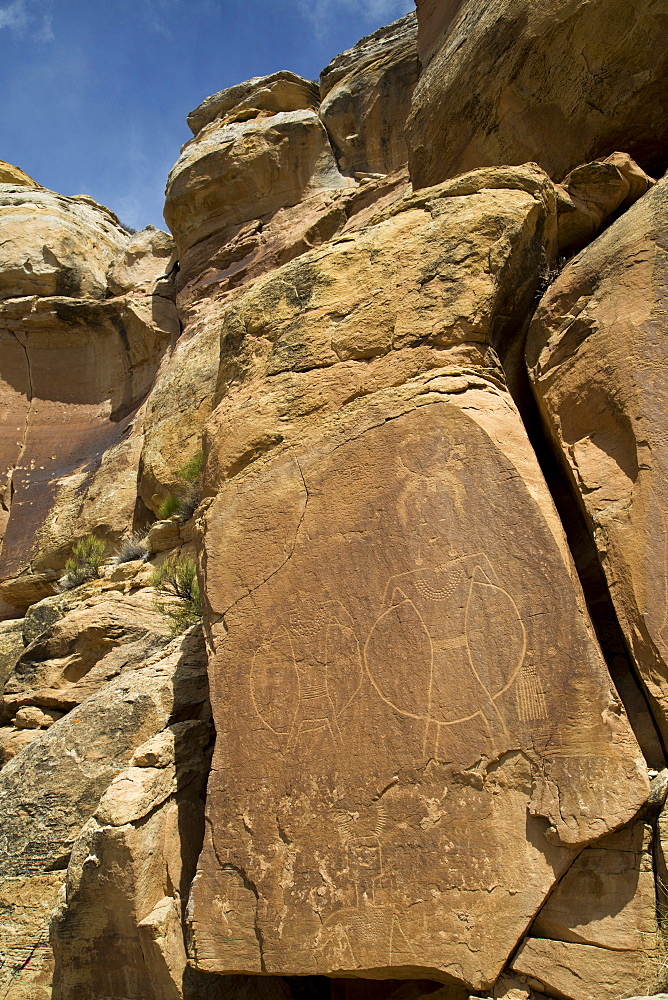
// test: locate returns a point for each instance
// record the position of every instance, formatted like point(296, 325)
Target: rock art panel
point(597, 356)
point(415, 728)
point(560, 83)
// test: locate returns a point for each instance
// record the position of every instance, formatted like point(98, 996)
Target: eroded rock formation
point(416, 447)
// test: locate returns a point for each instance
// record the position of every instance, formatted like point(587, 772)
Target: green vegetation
point(185, 501)
point(170, 506)
point(84, 563)
point(177, 576)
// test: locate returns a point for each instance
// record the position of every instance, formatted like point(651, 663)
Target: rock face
point(597, 365)
point(366, 97)
point(559, 83)
point(50, 245)
point(262, 96)
point(80, 353)
point(235, 171)
point(338, 624)
point(416, 448)
point(146, 830)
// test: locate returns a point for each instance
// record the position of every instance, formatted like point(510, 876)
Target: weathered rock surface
point(597, 936)
point(146, 263)
point(559, 83)
point(82, 651)
point(80, 754)
point(230, 173)
point(366, 97)
point(130, 867)
point(424, 783)
point(364, 579)
point(597, 359)
point(52, 245)
point(26, 959)
point(581, 971)
point(262, 96)
point(591, 194)
point(9, 174)
point(75, 372)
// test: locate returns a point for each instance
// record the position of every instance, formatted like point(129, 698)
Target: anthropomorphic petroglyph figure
point(307, 672)
point(455, 640)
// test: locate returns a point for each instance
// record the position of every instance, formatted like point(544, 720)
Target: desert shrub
point(186, 500)
point(170, 506)
point(191, 472)
point(132, 547)
point(178, 577)
point(84, 563)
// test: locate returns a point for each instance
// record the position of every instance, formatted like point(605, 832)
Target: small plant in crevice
point(549, 273)
point(177, 577)
point(170, 506)
point(132, 547)
point(84, 563)
point(185, 501)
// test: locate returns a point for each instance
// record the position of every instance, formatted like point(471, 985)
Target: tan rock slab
point(26, 960)
point(81, 652)
point(560, 83)
point(607, 897)
point(9, 174)
point(148, 258)
point(415, 728)
point(590, 195)
point(11, 647)
point(13, 741)
point(259, 97)
point(597, 359)
point(53, 245)
point(231, 173)
point(366, 97)
point(130, 865)
point(581, 971)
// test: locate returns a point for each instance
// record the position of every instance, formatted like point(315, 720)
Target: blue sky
point(95, 92)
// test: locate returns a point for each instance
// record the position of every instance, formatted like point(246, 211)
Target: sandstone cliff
point(394, 387)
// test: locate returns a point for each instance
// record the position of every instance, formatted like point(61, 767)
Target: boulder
point(559, 83)
point(366, 97)
point(607, 897)
point(53, 245)
point(230, 173)
point(260, 97)
point(82, 651)
point(11, 647)
point(591, 194)
point(416, 732)
point(145, 263)
point(597, 360)
point(582, 971)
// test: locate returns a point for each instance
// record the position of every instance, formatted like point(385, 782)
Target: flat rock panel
point(415, 728)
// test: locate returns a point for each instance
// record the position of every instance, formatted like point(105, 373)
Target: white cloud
point(321, 13)
point(28, 18)
point(14, 15)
